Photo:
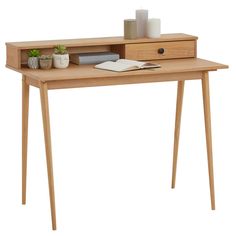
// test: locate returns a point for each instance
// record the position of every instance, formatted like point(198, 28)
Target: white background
point(112, 146)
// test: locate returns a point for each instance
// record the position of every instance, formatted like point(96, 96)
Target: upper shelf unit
point(168, 46)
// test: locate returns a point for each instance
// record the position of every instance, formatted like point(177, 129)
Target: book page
point(125, 65)
point(127, 62)
point(115, 66)
point(150, 65)
point(139, 64)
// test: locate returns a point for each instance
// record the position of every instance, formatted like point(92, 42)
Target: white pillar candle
point(154, 28)
point(141, 20)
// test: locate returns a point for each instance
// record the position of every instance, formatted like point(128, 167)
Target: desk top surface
point(79, 72)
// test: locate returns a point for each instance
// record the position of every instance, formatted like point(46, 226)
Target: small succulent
point(60, 49)
point(45, 57)
point(34, 53)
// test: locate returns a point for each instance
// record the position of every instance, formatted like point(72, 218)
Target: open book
point(125, 65)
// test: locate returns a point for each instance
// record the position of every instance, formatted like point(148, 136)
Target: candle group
point(142, 26)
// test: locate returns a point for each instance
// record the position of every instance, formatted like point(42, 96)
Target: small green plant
point(45, 57)
point(60, 49)
point(34, 53)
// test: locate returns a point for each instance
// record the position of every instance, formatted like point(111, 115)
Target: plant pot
point(33, 62)
point(60, 61)
point(45, 64)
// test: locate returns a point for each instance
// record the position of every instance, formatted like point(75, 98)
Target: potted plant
point(33, 58)
point(45, 62)
point(60, 57)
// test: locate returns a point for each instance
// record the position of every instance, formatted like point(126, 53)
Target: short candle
point(130, 29)
point(154, 28)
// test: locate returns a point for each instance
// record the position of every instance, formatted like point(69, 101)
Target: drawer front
point(162, 50)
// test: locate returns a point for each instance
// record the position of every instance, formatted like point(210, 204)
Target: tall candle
point(154, 28)
point(141, 21)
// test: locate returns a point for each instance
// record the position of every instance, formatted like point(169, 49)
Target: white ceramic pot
point(60, 61)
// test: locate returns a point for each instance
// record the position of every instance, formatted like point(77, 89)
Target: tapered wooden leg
point(25, 114)
point(48, 147)
point(180, 93)
point(207, 114)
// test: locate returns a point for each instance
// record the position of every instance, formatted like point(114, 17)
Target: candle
point(130, 29)
point(141, 20)
point(154, 28)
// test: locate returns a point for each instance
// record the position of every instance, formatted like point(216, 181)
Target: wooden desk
point(179, 63)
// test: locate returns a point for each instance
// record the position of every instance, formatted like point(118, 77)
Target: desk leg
point(207, 115)
point(48, 147)
point(180, 93)
point(25, 115)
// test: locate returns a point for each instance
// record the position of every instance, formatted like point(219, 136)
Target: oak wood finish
point(179, 103)
point(177, 45)
point(48, 148)
point(98, 41)
point(13, 57)
point(172, 50)
point(207, 116)
point(17, 51)
point(25, 115)
point(33, 82)
point(84, 72)
point(132, 79)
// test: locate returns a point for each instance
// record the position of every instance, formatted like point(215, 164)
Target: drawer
point(162, 50)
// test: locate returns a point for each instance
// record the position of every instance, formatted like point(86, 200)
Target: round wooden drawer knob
point(161, 50)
